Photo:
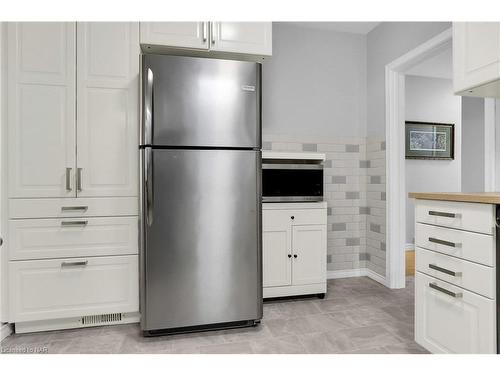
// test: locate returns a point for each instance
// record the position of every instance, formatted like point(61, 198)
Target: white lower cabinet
point(455, 282)
point(294, 251)
point(449, 319)
point(62, 288)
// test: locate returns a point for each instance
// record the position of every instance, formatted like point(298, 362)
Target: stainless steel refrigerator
point(200, 194)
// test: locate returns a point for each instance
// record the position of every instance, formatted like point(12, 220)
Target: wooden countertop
point(491, 198)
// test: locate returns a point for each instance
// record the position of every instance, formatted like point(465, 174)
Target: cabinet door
point(276, 252)
point(242, 37)
point(309, 254)
point(41, 109)
point(476, 54)
point(175, 34)
point(108, 109)
point(463, 322)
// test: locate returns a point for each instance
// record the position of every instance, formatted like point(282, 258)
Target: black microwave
point(287, 180)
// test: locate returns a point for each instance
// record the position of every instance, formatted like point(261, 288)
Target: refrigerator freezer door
point(202, 239)
point(199, 102)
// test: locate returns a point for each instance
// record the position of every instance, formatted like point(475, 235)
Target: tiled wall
point(375, 195)
point(346, 177)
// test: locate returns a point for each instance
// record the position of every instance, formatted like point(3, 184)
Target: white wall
point(385, 43)
point(473, 129)
point(315, 83)
point(432, 100)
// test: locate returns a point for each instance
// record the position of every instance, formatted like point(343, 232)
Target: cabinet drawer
point(56, 288)
point(272, 218)
point(471, 276)
point(464, 323)
point(475, 247)
point(473, 217)
point(72, 207)
point(75, 237)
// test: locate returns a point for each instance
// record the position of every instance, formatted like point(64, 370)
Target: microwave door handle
point(149, 108)
point(148, 160)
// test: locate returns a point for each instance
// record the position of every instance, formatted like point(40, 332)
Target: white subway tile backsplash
point(354, 188)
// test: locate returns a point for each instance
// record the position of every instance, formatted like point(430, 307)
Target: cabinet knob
point(289, 255)
point(295, 255)
point(292, 217)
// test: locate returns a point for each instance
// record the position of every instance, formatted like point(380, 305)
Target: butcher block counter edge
point(490, 198)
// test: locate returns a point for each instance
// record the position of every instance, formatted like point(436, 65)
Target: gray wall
point(315, 83)
point(431, 100)
point(472, 144)
point(385, 43)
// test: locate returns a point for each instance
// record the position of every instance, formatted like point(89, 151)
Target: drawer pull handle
point(443, 242)
point(445, 291)
point(443, 214)
point(444, 270)
point(74, 223)
point(75, 208)
point(74, 264)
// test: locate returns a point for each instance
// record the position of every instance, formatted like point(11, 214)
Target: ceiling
point(439, 66)
point(345, 27)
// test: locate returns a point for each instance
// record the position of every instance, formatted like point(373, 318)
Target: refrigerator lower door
point(202, 238)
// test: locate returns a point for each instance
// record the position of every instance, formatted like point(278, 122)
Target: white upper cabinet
point(242, 37)
point(41, 109)
point(107, 109)
point(175, 34)
point(251, 38)
point(476, 58)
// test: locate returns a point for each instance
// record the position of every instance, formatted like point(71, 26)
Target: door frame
point(395, 152)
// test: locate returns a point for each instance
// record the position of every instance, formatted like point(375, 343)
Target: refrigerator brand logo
point(248, 88)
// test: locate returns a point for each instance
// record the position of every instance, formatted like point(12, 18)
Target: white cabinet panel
point(475, 217)
point(242, 37)
point(41, 109)
point(276, 256)
point(309, 255)
point(72, 207)
point(108, 109)
point(447, 324)
point(72, 237)
point(175, 34)
point(476, 57)
point(468, 275)
point(62, 288)
point(476, 247)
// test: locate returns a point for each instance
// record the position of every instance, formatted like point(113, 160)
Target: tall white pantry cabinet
point(72, 167)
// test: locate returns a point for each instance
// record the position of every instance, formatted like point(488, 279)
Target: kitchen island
point(456, 294)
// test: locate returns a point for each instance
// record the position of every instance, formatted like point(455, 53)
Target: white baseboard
point(346, 273)
point(358, 272)
point(70, 323)
point(5, 330)
point(409, 247)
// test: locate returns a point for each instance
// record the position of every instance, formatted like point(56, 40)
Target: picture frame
point(429, 140)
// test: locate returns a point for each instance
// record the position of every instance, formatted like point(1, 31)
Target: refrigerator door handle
point(148, 153)
point(148, 109)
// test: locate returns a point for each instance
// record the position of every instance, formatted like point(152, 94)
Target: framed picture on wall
point(429, 140)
